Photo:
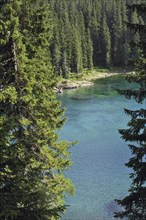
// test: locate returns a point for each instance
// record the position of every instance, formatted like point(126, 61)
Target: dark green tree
point(135, 203)
point(89, 51)
point(32, 159)
point(105, 42)
point(83, 40)
point(77, 52)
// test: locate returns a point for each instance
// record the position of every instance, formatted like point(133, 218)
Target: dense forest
point(91, 33)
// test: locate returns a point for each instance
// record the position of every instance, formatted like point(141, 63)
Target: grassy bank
point(95, 73)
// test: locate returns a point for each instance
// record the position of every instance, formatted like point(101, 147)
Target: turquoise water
point(94, 116)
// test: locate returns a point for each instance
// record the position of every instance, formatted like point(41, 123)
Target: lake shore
point(84, 80)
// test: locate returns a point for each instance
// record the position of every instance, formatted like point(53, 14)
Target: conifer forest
point(42, 44)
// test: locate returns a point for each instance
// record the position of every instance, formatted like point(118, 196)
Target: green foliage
point(105, 42)
point(135, 203)
point(32, 159)
point(84, 36)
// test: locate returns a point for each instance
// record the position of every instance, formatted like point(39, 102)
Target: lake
point(94, 116)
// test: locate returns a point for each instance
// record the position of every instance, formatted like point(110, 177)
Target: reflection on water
point(94, 116)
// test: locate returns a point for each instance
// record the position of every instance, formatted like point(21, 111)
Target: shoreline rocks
point(58, 90)
point(68, 84)
point(72, 84)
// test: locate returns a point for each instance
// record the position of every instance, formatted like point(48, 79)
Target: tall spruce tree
point(32, 159)
point(135, 203)
point(105, 42)
point(89, 51)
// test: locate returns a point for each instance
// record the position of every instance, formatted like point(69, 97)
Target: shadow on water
point(110, 208)
point(80, 98)
point(106, 87)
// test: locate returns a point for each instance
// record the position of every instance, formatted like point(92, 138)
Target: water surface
point(94, 116)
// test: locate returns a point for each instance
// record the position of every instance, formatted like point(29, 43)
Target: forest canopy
point(89, 33)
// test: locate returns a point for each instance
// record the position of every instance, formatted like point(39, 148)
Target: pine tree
point(94, 30)
point(77, 64)
point(83, 40)
point(125, 47)
point(89, 51)
point(32, 159)
point(135, 203)
point(105, 42)
point(135, 36)
point(56, 54)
